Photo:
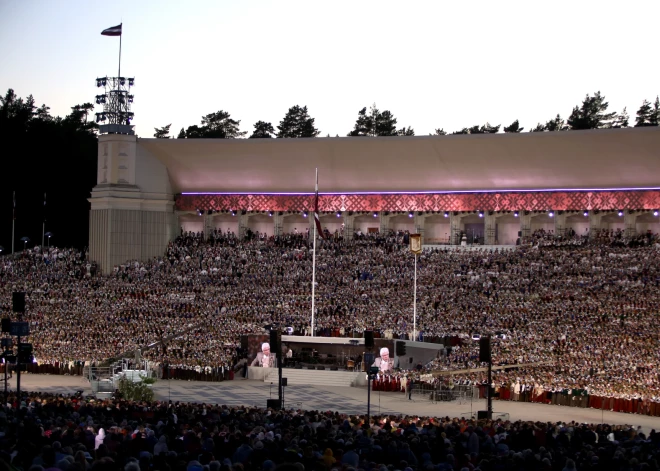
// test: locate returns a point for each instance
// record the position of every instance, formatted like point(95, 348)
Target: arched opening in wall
point(190, 222)
point(261, 224)
point(437, 230)
point(224, 223)
point(295, 223)
point(401, 222)
point(332, 225)
point(613, 222)
point(366, 223)
point(507, 227)
point(473, 228)
point(648, 223)
point(577, 224)
point(542, 224)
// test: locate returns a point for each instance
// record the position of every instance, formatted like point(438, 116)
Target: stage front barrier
point(435, 393)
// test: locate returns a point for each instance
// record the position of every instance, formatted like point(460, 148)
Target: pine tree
point(364, 125)
point(655, 114)
point(182, 134)
point(557, 124)
point(488, 129)
point(463, 131)
point(406, 131)
point(262, 130)
point(440, 132)
point(592, 114)
point(219, 125)
point(385, 124)
point(644, 115)
point(539, 128)
point(162, 133)
point(513, 127)
point(297, 123)
point(621, 120)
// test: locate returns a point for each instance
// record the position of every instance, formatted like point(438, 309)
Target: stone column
point(630, 221)
point(489, 228)
point(454, 229)
point(125, 222)
point(208, 225)
point(311, 224)
point(242, 225)
point(560, 223)
point(384, 223)
point(278, 223)
point(594, 223)
point(525, 223)
point(349, 225)
point(419, 225)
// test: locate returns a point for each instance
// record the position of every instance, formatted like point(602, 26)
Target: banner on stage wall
point(416, 243)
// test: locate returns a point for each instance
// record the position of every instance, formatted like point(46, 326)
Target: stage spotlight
point(481, 214)
point(620, 213)
point(655, 213)
point(131, 82)
point(233, 213)
point(98, 82)
point(199, 212)
point(515, 214)
point(446, 214)
point(410, 214)
point(551, 214)
point(586, 213)
point(270, 213)
point(375, 215)
point(338, 214)
point(130, 98)
point(304, 214)
point(122, 81)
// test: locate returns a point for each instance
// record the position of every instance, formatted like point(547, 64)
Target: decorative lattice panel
point(530, 201)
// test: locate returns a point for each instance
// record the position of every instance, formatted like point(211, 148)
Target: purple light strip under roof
point(438, 192)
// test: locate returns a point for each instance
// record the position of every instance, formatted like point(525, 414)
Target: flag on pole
point(112, 31)
point(319, 231)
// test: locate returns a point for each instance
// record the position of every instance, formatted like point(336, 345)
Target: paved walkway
point(343, 399)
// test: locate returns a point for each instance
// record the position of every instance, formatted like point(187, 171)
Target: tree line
point(591, 114)
point(49, 165)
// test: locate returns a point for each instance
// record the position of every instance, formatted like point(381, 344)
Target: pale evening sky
point(449, 64)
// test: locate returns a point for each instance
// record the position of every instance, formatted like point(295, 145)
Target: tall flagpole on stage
point(43, 225)
point(415, 304)
point(415, 248)
point(13, 224)
point(314, 254)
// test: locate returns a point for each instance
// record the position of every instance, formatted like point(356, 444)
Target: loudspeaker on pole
point(484, 349)
point(369, 339)
point(18, 301)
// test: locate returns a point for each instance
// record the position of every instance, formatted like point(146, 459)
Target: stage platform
point(342, 399)
point(337, 352)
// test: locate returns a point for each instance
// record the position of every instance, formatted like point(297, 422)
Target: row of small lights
point(411, 214)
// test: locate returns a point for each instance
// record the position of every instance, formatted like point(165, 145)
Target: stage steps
point(314, 377)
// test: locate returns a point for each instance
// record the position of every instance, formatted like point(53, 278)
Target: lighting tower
point(116, 100)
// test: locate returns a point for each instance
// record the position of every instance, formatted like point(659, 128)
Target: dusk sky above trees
point(433, 65)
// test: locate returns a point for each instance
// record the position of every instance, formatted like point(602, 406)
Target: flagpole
point(415, 304)
point(119, 73)
point(13, 225)
point(314, 257)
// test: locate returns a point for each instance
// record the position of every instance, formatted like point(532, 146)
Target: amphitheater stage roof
point(609, 159)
